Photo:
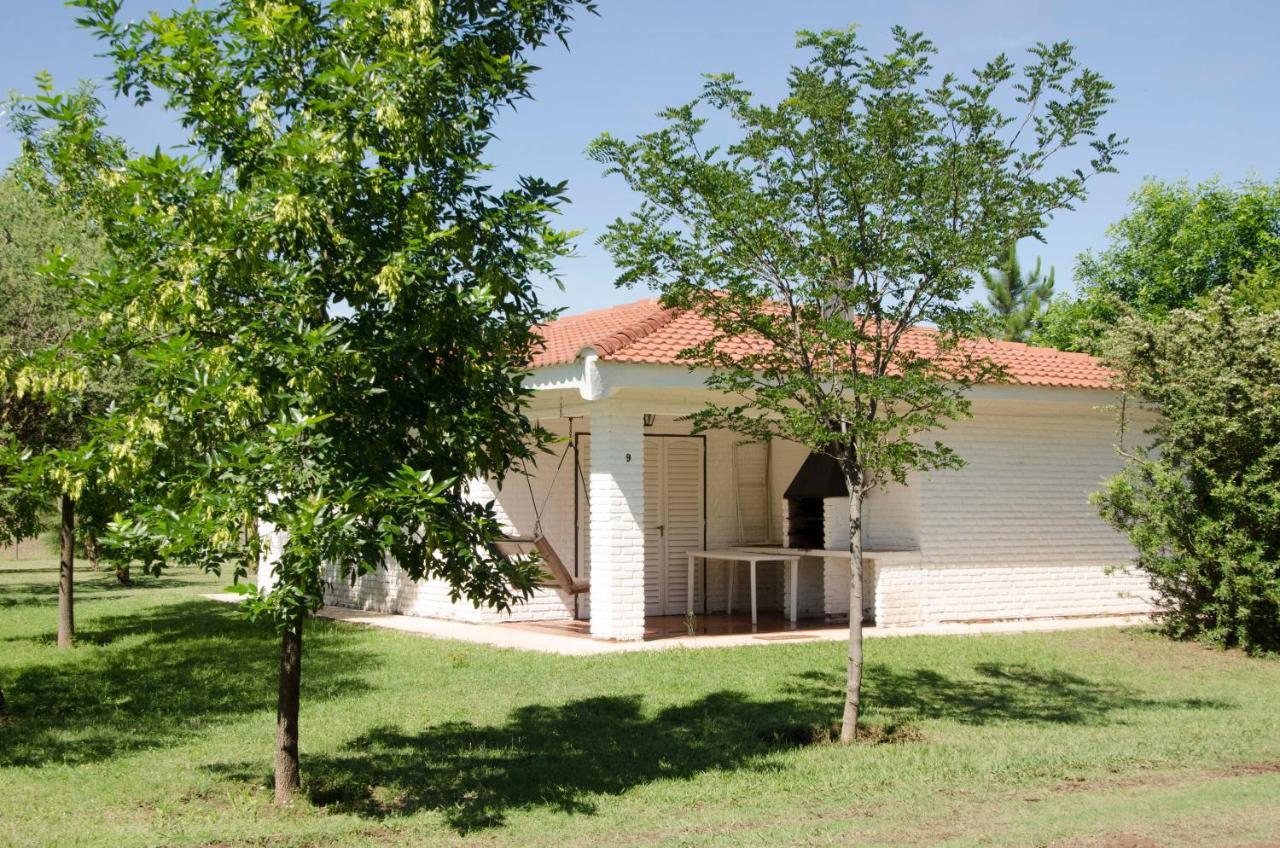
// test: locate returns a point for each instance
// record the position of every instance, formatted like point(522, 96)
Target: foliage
point(1178, 243)
point(1201, 502)
point(839, 222)
point(37, 429)
point(331, 309)
point(1016, 300)
point(830, 231)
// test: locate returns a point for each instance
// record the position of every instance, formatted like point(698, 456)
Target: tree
point(837, 223)
point(332, 309)
point(1016, 300)
point(38, 429)
point(1179, 243)
point(1201, 500)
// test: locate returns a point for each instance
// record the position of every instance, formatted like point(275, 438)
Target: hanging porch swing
point(512, 547)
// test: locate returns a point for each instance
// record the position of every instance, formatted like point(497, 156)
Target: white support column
point(617, 521)
point(272, 546)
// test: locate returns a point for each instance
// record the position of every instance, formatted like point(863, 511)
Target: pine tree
point(1017, 300)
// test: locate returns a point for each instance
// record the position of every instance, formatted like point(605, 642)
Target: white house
point(631, 493)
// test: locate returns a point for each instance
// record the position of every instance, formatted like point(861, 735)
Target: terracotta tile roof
point(605, 330)
point(644, 333)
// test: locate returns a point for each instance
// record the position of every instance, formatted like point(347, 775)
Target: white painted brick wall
point(390, 589)
point(890, 520)
point(891, 516)
point(900, 588)
point(1013, 535)
point(1010, 536)
point(273, 544)
point(617, 508)
point(835, 586)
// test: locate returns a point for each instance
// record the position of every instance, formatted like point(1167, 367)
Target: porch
point(769, 627)
point(637, 506)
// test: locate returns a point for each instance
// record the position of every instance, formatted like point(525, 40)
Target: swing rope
point(538, 509)
point(539, 544)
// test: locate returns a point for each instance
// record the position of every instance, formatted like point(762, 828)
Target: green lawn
point(157, 730)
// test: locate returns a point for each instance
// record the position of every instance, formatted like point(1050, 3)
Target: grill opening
point(805, 523)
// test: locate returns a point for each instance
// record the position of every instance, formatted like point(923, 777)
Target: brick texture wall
point(391, 590)
point(616, 484)
point(1012, 535)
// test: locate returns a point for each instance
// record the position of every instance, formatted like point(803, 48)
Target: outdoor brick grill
point(819, 478)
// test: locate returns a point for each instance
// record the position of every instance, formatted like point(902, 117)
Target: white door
point(674, 519)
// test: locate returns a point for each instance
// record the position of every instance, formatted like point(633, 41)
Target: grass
point(157, 730)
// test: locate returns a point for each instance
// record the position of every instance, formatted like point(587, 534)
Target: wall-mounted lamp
point(649, 419)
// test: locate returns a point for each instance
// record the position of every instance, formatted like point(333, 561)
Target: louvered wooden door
point(675, 516)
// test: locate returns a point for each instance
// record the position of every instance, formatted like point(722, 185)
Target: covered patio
point(663, 533)
point(648, 521)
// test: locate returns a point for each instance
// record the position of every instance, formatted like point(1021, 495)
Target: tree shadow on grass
point(999, 692)
point(562, 757)
point(44, 569)
point(99, 587)
point(546, 756)
point(192, 664)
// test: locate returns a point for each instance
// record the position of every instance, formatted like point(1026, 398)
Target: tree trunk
point(853, 690)
point(288, 773)
point(92, 550)
point(66, 575)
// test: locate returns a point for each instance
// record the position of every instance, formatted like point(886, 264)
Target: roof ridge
point(632, 333)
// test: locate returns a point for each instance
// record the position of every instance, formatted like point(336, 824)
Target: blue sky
point(1196, 84)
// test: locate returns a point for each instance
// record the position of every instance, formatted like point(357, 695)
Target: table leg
point(732, 571)
point(753, 593)
point(689, 607)
point(795, 587)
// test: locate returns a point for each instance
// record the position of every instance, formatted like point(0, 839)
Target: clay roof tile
point(644, 332)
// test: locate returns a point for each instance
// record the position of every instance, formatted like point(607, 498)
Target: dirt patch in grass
point(1147, 644)
point(1182, 835)
point(1252, 768)
point(966, 814)
point(1214, 839)
point(1111, 840)
point(1172, 778)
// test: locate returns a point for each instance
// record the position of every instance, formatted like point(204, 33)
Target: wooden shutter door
point(684, 520)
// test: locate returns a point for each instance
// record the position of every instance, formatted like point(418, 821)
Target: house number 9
point(628, 457)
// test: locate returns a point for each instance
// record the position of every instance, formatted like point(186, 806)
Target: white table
point(734, 556)
point(820, 553)
point(869, 557)
point(795, 554)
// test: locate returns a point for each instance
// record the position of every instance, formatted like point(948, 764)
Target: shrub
point(1201, 501)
